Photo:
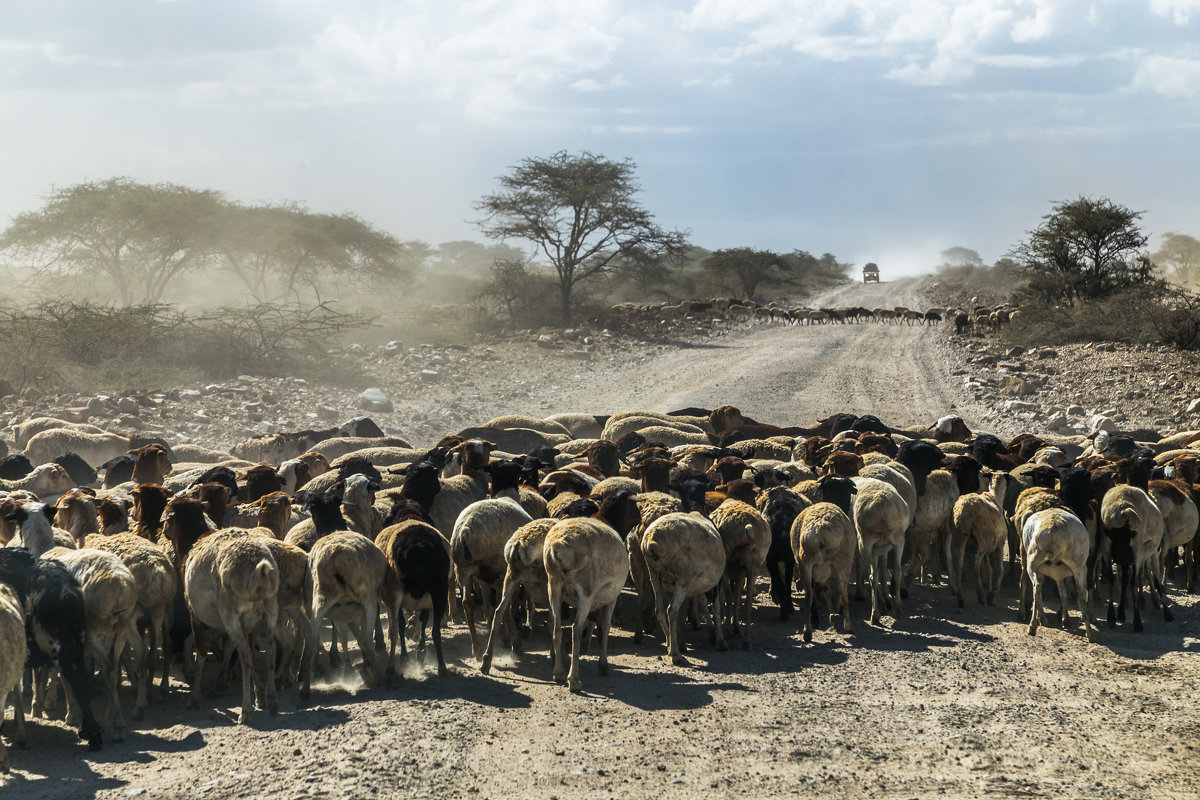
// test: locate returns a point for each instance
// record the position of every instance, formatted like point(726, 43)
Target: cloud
point(1180, 11)
point(1172, 78)
point(925, 42)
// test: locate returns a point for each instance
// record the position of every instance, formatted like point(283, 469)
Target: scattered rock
point(1012, 385)
point(375, 400)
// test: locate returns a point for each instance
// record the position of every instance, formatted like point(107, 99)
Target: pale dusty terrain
point(944, 703)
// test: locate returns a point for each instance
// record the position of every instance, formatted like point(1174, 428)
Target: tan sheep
point(12, 662)
point(586, 564)
point(156, 582)
point(47, 481)
point(881, 516)
point(684, 558)
point(92, 447)
point(1056, 545)
point(477, 544)
point(346, 571)
point(109, 601)
point(25, 431)
point(979, 518)
point(232, 586)
point(746, 536)
point(525, 570)
point(824, 543)
point(652, 505)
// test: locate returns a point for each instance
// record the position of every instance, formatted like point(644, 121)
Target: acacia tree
point(744, 269)
point(136, 237)
point(1084, 249)
point(275, 249)
point(1179, 257)
point(579, 212)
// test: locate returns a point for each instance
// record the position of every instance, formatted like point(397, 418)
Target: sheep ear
point(49, 511)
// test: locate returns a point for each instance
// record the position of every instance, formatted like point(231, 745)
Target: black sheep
point(921, 458)
point(15, 467)
point(80, 471)
point(56, 626)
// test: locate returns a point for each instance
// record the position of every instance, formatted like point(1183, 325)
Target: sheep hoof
point(243, 717)
point(1112, 617)
point(1032, 630)
point(961, 602)
point(137, 714)
point(603, 669)
point(1137, 626)
point(273, 706)
point(574, 686)
point(679, 661)
point(807, 636)
point(722, 645)
point(835, 621)
point(1167, 615)
point(486, 666)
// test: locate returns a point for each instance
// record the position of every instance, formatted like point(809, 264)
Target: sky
point(877, 130)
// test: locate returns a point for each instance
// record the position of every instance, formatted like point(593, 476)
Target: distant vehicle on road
point(871, 273)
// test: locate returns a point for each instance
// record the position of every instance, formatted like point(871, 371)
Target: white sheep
point(26, 430)
point(880, 515)
point(979, 518)
point(34, 529)
point(477, 545)
point(1056, 546)
point(345, 580)
point(47, 481)
point(231, 585)
point(525, 569)
point(94, 448)
point(931, 519)
point(1133, 527)
point(586, 564)
point(685, 558)
point(12, 661)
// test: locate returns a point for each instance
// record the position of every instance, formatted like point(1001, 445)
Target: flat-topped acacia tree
point(579, 214)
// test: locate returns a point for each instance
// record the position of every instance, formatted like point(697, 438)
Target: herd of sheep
point(277, 553)
point(746, 311)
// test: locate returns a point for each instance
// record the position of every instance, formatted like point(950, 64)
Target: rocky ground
point(1081, 388)
point(945, 702)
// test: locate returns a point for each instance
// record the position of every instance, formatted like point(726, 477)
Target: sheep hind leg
point(502, 608)
point(982, 578)
point(897, 588)
point(143, 670)
point(395, 631)
point(809, 604)
point(876, 588)
point(843, 595)
point(1159, 592)
point(748, 605)
point(1035, 618)
point(674, 627)
point(439, 614)
point(1081, 597)
point(716, 632)
point(558, 672)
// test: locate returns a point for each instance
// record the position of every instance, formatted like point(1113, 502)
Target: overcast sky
point(879, 131)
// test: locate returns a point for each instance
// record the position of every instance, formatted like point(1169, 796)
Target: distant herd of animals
point(264, 561)
point(966, 320)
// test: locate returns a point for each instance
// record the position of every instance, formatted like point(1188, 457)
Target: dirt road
point(804, 373)
point(947, 702)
